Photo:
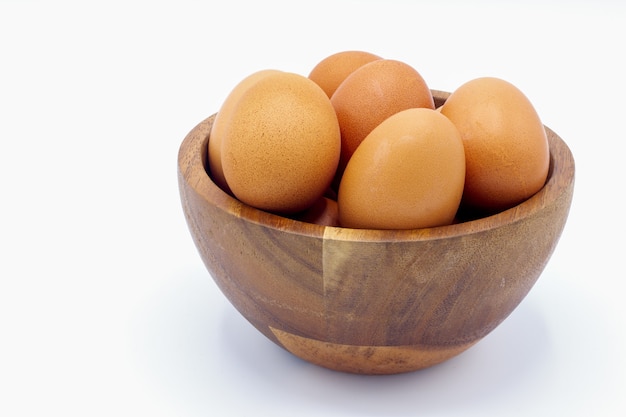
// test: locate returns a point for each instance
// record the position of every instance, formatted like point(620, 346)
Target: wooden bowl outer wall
point(436, 290)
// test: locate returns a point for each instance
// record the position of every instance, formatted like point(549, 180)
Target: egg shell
point(282, 145)
point(506, 147)
point(408, 173)
point(222, 122)
point(371, 94)
point(331, 71)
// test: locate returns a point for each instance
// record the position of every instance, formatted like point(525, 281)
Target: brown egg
point(370, 95)
point(221, 123)
point(281, 147)
point(506, 148)
point(408, 173)
point(332, 70)
point(323, 212)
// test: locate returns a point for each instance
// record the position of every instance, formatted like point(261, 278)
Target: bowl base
point(369, 360)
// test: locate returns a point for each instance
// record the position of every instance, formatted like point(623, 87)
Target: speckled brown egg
point(221, 124)
point(332, 70)
point(281, 148)
point(506, 146)
point(371, 94)
point(407, 173)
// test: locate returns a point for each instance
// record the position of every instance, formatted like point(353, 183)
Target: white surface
point(105, 306)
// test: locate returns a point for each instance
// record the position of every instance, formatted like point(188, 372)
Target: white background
point(105, 306)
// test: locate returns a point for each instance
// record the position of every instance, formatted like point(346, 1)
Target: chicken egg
point(370, 95)
point(281, 147)
point(506, 147)
point(221, 124)
point(323, 212)
point(332, 70)
point(407, 173)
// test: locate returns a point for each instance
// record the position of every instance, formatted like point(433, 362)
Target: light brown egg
point(506, 148)
point(408, 173)
point(221, 123)
point(332, 70)
point(281, 147)
point(370, 95)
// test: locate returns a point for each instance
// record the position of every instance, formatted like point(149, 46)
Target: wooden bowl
point(372, 301)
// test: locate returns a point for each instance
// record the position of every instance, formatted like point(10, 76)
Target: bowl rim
point(194, 172)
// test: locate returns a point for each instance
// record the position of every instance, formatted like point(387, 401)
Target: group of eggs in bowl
point(360, 297)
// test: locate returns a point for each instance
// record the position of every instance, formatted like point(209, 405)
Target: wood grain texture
point(372, 301)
